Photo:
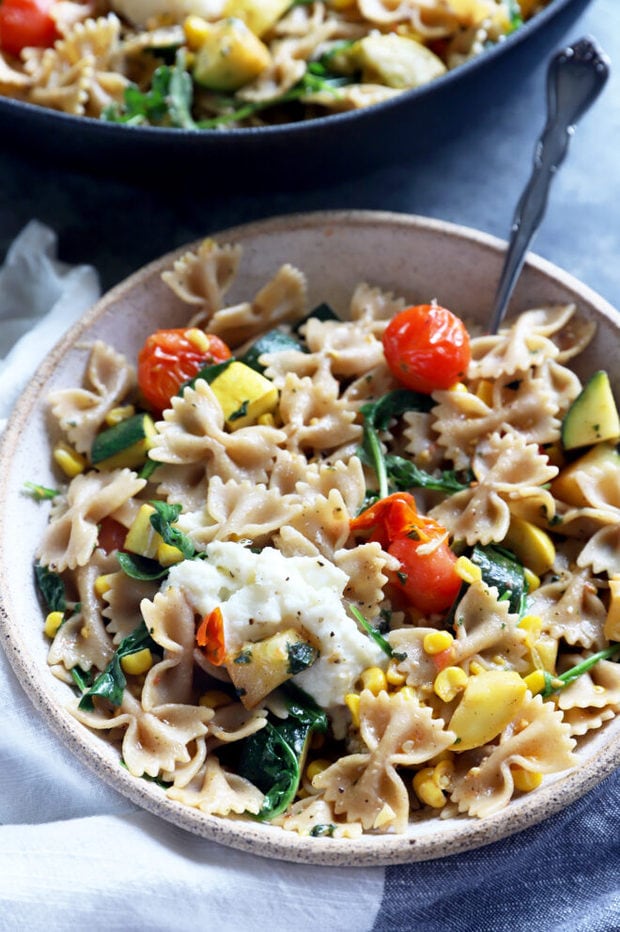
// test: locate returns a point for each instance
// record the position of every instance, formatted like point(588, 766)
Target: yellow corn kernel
point(103, 583)
point(532, 624)
point(393, 675)
point(70, 461)
point(485, 392)
point(140, 662)
point(458, 387)
point(266, 420)
point(118, 414)
point(168, 555)
point(352, 702)
point(427, 790)
point(374, 679)
point(437, 641)
point(53, 623)
point(443, 773)
point(214, 699)
point(196, 30)
point(316, 767)
point(197, 338)
point(535, 681)
point(407, 692)
point(526, 780)
point(532, 580)
point(449, 683)
point(468, 571)
point(475, 668)
point(612, 622)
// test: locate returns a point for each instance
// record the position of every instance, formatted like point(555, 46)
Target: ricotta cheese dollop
point(262, 593)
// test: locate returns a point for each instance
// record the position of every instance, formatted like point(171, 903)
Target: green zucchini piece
point(274, 341)
point(322, 311)
point(593, 415)
point(208, 373)
point(126, 444)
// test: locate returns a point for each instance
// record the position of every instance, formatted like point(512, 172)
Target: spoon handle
point(575, 78)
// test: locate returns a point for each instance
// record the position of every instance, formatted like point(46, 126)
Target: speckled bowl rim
point(601, 756)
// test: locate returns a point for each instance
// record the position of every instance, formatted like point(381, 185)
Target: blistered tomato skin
point(427, 348)
point(26, 23)
point(428, 580)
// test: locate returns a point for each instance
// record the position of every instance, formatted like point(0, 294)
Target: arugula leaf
point(163, 520)
point(501, 569)
point(554, 684)
point(404, 475)
point(110, 684)
point(272, 757)
point(40, 492)
point(137, 567)
point(376, 635)
point(168, 101)
point(51, 587)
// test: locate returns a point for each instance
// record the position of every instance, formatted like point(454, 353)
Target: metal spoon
point(575, 78)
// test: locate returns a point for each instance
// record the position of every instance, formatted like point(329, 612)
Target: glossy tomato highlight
point(427, 347)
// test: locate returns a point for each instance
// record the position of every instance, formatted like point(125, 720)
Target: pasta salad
point(336, 574)
point(209, 64)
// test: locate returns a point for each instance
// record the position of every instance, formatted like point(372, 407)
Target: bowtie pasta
point(288, 584)
point(206, 64)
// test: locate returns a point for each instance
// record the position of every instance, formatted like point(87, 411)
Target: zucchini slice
point(593, 416)
point(274, 341)
point(126, 444)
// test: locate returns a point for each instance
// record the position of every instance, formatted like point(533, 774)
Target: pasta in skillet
point(292, 578)
point(208, 64)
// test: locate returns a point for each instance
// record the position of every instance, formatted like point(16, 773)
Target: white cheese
point(261, 593)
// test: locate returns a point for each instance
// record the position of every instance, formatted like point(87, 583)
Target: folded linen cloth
point(75, 852)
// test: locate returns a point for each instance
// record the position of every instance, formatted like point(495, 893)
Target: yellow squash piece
point(230, 56)
point(491, 700)
point(244, 395)
point(565, 486)
point(396, 61)
point(261, 666)
point(258, 15)
point(531, 545)
point(612, 622)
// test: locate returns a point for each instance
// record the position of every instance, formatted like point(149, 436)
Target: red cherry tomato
point(428, 579)
point(111, 535)
point(210, 637)
point(25, 23)
point(171, 357)
point(426, 348)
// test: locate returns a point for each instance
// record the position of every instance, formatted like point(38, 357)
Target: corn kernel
point(103, 584)
point(352, 701)
point(70, 461)
point(468, 571)
point(197, 338)
point(536, 682)
point(196, 30)
point(443, 773)
point(485, 392)
point(374, 679)
point(393, 675)
point(316, 767)
point(266, 420)
point(426, 789)
point(118, 414)
point(449, 683)
point(53, 623)
point(407, 693)
point(532, 624)
point(526, 780)
point(214, 699)
point(475, 668)
point(532, 580)
point(140, 662)
point(437, 641)
point(458, 387)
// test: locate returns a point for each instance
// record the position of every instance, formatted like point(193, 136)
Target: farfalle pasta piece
point(366, 567)
point(485, 627)
point(511, 471)
point(203, 276)
point(591, 699)
point(81, 412)
point(314, 816)
point(216, 791)
point(537, 740)
point(571, 609)
point(323, 520)
point(313, 417)
point(170, 621)
point(351, 350)
point(366, 787)
point(193, 432)
point(374, 307)
point(71, 535)
point(233, 722)
point(122, 603)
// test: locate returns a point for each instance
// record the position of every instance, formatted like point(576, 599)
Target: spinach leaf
point(110, 684)
point(163, 520)
point(137, 567)
point(501, 569)
point(51, 587)
point(272, 758)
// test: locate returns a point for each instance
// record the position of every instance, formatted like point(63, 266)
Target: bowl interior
point(417, 258)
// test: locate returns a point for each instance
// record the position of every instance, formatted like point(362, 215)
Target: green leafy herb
point(376, 635)
point(110, 684)
point(404, 475)
point(301, 655)
point(501, 569)
point(272, 758)
point(240, 412)
point(323, 831)
point(148, 469)
point(168, 101)
point(554, 684)
point(51, 587)
point(40, 492)
point(138, 567)
point(163, 522)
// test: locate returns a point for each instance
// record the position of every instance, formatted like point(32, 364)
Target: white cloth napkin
point(73, 852)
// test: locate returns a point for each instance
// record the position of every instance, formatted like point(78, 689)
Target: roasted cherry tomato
point(426, 347)
point(112, 535)
point(427, 574)
point(25, 23)
point(210, 637)
point(171, 357)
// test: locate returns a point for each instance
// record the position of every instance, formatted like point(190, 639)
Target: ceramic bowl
point(292, 154)
point(412, 256)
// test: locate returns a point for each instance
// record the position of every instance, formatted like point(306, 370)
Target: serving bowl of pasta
point(310, 564)
point(256, 90)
